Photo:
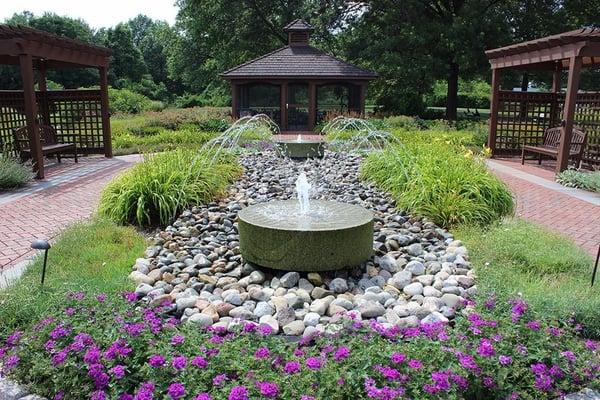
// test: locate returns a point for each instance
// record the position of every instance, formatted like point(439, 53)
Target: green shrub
point(552, 273)
point(105, 347)
point(157, 189)
point(201, 117)
point(580, 179)
point(13, 173)
point(126, 101)
point(94, 256)
point(188, 100)
point(439, 181)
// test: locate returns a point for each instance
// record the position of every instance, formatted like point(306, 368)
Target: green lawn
point(552, 273)
point(94, 256)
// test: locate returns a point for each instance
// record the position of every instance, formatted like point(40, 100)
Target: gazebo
point(77, 116)
point(520, 118)
point(298, 85)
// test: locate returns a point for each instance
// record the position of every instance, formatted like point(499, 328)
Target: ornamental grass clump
point(116, 348)
point(446, 183)
point(154, 191)
point(580, 179)
point(13, 173)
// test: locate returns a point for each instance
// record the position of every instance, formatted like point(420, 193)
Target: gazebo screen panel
point(261, 98)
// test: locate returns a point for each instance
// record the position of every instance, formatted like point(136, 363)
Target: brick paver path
point(571, 212)
point(69, 193)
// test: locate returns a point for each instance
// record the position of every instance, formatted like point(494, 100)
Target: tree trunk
point(452, 95)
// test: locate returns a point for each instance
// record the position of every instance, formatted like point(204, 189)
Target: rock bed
point(418, 273)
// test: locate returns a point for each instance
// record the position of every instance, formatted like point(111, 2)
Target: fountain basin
point(331, 236)
point(301, 148)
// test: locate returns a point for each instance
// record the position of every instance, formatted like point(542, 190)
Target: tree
point(127, 61)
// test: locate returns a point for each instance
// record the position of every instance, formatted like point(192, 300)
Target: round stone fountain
point(300, 147)
point(330, 236)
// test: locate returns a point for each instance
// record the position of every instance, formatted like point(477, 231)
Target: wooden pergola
point(81, 116)
point(287, 84)
point(518, 118)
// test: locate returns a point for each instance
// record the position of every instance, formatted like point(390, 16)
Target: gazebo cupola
point(298, 32)
point(297, 85)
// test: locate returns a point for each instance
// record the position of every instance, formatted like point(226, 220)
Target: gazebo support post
point(494, 110)
point(29, 102)
point(103, 72)
point(361, 99)
point(235, 114)
point(283, 105)
point(569, 113)
point(312, 105)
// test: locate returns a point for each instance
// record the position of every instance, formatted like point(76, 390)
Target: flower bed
point(103, 348)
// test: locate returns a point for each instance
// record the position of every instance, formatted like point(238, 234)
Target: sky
point(97, 13)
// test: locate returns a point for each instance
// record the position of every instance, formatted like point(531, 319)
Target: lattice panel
point(11, 116)
point(522, 118)
point(587, 117)
point(76, 116)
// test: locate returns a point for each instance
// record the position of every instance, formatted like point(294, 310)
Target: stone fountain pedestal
point(331, 236)
point(303, 148)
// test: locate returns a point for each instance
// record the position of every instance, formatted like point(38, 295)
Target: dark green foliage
point(127, 61)
point(580, 179)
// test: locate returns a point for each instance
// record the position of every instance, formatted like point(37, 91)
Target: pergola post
point(35, 145)
point(42, 98)
point(569, 113)
point(312, 105)
point(556, 84)
point(103, 71)
point(494, 101)
point(234, 101)
point(283, 105)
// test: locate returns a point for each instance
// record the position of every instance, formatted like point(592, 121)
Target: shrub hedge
point(439, 181)
point(101, 348)
point(154, 191)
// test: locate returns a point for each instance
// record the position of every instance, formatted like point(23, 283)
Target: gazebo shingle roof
point(298, 62)
point(298, 25)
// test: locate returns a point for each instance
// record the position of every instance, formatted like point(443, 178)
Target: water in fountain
point(303, 190)
point(356, 134)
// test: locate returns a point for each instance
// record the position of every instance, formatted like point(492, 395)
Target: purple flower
point(130, 296)
point(177, 339)
point(268, 389)
point(262, 353)
point(59, 358)
point(14, 338)
point(467, 361)
point(569, 355)
point(543, 383)
point(486, 348)
point(11, 362)
point(313, 363)
point(98, 395)
point(518, 309)
point(505, 360)
point(146, 392)
point(156, 361)
point(203, 396)
point(305, 397)
point(179, 362)
point(539, 368)
point(265, 330)
point(118, 371)
point(101, 298)
point(291, 367)
point(199, 362)
point(415, 364)
point(591, 345)
point(238, 393)
point(125, 396)
point(176, 391)
point(398, 358)
point(533, 325)
point(341, 353)
point(219, 379)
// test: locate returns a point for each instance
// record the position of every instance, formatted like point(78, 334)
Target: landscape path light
point(41, 244)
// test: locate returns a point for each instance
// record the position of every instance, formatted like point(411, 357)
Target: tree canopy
point(414, 45)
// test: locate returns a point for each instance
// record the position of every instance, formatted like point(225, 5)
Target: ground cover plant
point(157, 189)
point(94, 256)
point(13, 173)
point(580, 179)
point(102, 347)
point(446, 183)
point(552, 273)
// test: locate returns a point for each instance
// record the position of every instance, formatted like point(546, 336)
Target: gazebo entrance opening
point(297, 107)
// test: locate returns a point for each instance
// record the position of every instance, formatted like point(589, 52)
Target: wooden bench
point(50, 145)
point(551, 143)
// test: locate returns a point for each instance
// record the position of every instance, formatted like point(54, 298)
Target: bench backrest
point(552, 138)
point(21, 136)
